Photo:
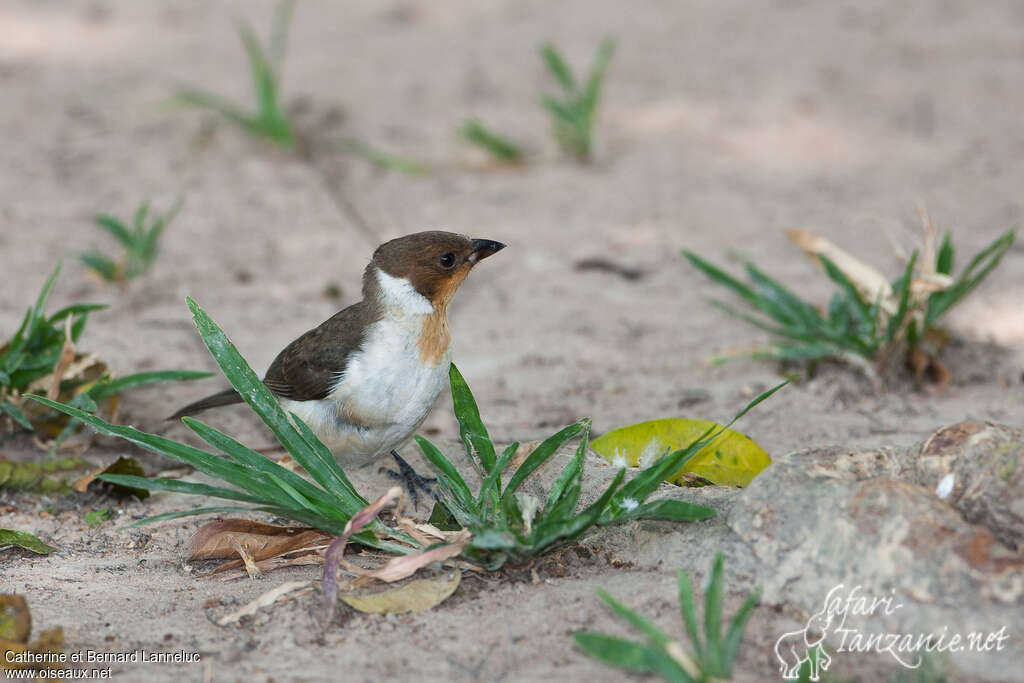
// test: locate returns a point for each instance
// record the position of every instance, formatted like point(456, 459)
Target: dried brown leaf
point(417, 595)
point(261, 541)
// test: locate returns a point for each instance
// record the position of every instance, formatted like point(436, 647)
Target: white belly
point(383, 396)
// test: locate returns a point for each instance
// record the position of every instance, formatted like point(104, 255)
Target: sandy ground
point(722, 124)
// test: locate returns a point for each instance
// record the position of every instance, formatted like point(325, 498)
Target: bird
point(365, 379)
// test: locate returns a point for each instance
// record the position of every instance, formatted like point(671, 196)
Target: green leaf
point(178, 486)
point(24, 540)
point(896, 321)
point(461, 503)
point(244, 455)
point(324, 470)
point(491, 486)
point(713, 617)
point(559, 69)
point(732, 459)
point(471, 427)
point(105, 388)
point(116, 228)
point(944, 257)
point(498, 146)
point(207, 463)
point(631, 656)
point(178, 514)
point(16, 414)
point(689, 613)
point(983, 262)
point(654, 634)
point(672, 510)
point(542, 453)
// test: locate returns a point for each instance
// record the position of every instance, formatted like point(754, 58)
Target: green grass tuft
point(140, 243)
point(499, 147)
point(34, 351)
point(574, 112)
point(713, 652)
point(852, 326)
point(270, 119)
point(510, 525)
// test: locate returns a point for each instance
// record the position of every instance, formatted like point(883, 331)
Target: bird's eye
point(447, 260)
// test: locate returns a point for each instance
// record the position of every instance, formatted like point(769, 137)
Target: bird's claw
point(412, 481)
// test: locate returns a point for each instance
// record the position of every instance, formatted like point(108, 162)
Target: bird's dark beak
point(484, 248)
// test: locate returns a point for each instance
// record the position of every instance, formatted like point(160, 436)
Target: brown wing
point(308, 368)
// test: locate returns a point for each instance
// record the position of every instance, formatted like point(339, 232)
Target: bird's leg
point(411, 481)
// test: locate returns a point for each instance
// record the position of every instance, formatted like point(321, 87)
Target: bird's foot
point(411, 481)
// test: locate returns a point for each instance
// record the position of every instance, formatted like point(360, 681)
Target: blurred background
point(719, 124)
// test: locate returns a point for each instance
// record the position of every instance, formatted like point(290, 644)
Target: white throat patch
point(397, 293)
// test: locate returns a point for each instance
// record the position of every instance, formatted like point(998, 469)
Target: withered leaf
point(221, 538)
point(122, 465)
point(417, 595)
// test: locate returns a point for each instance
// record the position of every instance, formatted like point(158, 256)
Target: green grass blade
point(565, 492)
point(986, 260)
point(556, 531)
point(178, 486)
point(562, 112)
point(106, 268)
point(713, 601)
point(75, 310)
point(323, 470)
point(207, 463)
point(116, 228)
point(497, 146)
point(558, 67)
point(471, 428)
point(631, 656)
point(787, 303)
point(654, 634)
point(716, 274)
point(896, 321)
point(944, 258)
point(452, 481)
point(16, 414)
point(302, 501)
point(229, 110)
point(839, 277)
point(540, 455)
point(672, 510)
point(244, 455)
point(217, 509)
point(103, 389)
point(331, 467)
point(689, 613)
point(491, 485)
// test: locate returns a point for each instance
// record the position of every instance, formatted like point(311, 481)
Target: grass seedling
point(41, 356)
point(712, 652)
point(499, 147)
point(510, 525)
point(140, 242)
point(270, 120)
point(573, 113)
point(326, 503)
point(867, 318)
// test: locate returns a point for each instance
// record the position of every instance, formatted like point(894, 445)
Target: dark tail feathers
point(223, 398)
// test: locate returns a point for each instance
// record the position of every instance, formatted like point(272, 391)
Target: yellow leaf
point(417, 595)
point(732, 459)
